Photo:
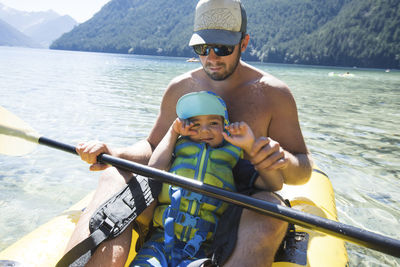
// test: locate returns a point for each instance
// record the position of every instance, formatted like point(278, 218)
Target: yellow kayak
point(45, 245)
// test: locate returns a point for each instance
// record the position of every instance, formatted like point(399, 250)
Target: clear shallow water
point(350, 126)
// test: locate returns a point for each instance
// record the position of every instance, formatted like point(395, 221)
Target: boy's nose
point(204, 128)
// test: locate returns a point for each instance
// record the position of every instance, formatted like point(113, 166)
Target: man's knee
point(113, 176)
point(113, 252)
point(259, 235)
point(146, 216)
point(270, 197)
point(267, 228)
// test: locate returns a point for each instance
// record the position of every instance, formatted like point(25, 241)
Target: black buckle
point(108, 226)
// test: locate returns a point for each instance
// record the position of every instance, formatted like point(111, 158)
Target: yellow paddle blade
point(16, 137)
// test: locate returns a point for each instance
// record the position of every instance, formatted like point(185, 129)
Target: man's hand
point(89, 152)
point(241, 135)
point(268, 155)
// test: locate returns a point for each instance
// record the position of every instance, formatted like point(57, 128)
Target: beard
point(225, 74)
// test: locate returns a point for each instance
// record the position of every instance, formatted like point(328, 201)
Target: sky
point(80, 10)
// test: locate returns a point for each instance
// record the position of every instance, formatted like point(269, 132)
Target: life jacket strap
point(186, 219)
point(175, 194)
point(173, 215)
point(200, 198)
point(193, 245)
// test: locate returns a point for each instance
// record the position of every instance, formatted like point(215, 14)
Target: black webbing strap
point(83, 247)
point(114, 216)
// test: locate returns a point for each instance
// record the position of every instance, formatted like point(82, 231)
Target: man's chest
point(255, 112)
point(250, 104)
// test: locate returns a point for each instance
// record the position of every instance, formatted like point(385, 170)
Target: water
point(350, 125)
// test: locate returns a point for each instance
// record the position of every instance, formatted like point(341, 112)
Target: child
point(198, 147)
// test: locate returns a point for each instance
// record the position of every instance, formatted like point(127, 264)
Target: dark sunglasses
point(219, 50)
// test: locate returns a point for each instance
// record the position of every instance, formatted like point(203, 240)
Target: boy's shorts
point(152, 253)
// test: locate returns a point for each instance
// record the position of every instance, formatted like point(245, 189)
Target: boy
point(198, 147)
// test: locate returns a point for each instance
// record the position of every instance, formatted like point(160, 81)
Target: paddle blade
point(17, 138)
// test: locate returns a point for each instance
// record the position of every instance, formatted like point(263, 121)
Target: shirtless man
point(253, 96)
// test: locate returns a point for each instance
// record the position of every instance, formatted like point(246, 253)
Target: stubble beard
point(224, 75)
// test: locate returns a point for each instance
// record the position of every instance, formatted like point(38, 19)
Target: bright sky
point(80, 10)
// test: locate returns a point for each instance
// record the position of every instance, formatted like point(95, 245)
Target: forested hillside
point(363, 33)
point(134, 26)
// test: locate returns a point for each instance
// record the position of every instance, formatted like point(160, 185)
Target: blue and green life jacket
point(191, 217)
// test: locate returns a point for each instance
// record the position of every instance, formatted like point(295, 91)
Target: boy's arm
point(162, 154)
point(242, 136)
point(269, 180)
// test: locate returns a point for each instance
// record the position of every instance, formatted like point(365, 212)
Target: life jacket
point(191, 217)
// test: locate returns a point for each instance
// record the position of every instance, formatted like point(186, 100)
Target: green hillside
point(363, 33)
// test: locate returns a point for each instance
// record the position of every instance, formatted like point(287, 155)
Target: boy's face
point(208, 129)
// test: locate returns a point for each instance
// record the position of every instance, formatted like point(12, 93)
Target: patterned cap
point(219, 22)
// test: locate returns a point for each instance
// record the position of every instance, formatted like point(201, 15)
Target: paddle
point(14, 130)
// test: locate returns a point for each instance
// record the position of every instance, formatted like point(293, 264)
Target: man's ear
point(244, 43)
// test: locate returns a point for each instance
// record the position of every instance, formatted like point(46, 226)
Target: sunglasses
point(219, 50)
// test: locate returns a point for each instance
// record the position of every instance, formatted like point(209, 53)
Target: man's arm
point(285, 149)
point(285, 129)
point(139, 152)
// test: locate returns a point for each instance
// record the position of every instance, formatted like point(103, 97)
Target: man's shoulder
point(270, 82)
point(266, 80)
point(271, 87)
point(181, 84)
point(185, 78)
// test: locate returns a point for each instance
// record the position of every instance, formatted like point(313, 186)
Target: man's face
point(220, 68)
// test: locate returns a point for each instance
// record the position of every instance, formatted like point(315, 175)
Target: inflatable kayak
point(45, 245)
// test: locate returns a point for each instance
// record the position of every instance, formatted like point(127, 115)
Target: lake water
point(350, 124)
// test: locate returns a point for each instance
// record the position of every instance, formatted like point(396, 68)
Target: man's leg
point(259, 236)
point(112, 252)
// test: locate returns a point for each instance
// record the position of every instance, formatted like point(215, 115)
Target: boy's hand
point(241, 135)
point(182, 127)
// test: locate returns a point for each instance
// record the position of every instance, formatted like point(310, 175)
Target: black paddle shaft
point(346, 232)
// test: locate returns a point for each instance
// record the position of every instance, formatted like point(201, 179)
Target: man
point(252, 96)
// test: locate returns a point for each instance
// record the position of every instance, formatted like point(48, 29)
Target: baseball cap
point(219, 22)
point(201, 103)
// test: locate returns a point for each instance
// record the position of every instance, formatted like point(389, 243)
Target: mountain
point(43, 27)
point(22, 20)
point(363, 33)
point(9, 36)
point(49, 30)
